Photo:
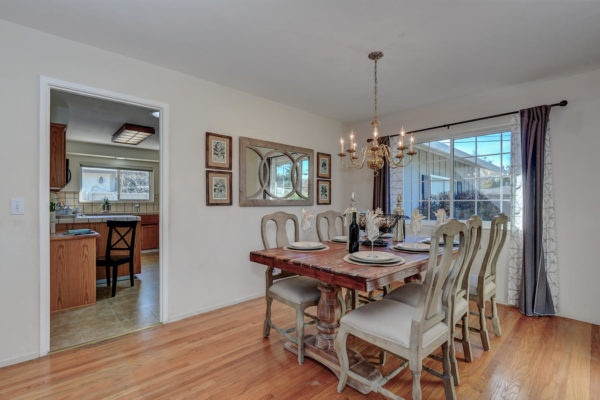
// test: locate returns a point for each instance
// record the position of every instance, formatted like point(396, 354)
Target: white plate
point(441, 242)
point(306, 245)
point(375, 257)
point(340, 239)
point(386, 236)
point(420, 247)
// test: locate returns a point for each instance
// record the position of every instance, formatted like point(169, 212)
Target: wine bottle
point(353, 235)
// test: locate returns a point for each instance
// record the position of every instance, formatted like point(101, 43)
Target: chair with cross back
point(121, 239)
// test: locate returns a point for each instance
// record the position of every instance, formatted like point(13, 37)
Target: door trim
point(46, 84)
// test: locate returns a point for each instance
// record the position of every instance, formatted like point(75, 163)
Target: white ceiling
point(94, 120)
point(312, 53)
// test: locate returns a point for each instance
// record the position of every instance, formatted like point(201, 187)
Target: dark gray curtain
point(381, 183)
point(535, 296)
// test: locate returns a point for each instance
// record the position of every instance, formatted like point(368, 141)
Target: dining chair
point(298, 292)
point(410, 332)
point(331, 217)
point(124, 241)
point(482, 286)
point(459, 296)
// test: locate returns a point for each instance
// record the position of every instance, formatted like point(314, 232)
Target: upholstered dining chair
point(482, 286)
point(298, 292)
point(459, 296)
point(331, 217)
point(410, 332)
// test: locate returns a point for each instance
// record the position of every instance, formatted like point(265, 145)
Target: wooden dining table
point(329, 267)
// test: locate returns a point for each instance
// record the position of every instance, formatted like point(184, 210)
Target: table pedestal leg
point(321, 347)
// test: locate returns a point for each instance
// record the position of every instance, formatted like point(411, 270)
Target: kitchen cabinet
point(72, 271)
point(150, 231)
point(58, 157)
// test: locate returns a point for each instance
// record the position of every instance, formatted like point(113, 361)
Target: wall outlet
point(17, 206)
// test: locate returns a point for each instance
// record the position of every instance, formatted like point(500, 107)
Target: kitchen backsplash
point(71, 199)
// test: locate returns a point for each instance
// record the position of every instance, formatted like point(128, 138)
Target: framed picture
point(324, 165)
point(323, 192)
point(218, 188)
point(218, 151)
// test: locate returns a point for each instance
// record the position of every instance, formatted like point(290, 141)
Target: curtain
point(381, 183)
point(535, 296)
point(515, 266)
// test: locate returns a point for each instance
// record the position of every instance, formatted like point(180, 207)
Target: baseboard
point(19, 359)
point(179, 317)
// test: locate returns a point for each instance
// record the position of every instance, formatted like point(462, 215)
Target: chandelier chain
point(375, 118)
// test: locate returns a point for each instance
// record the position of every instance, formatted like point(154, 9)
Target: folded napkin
point(306, 217)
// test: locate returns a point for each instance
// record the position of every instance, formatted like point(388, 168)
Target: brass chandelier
point(374, 153)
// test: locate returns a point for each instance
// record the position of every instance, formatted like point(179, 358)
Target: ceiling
point(312, 54)
point(95, 120)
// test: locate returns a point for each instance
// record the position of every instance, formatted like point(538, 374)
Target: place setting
point(374, 258)
point(306, 246)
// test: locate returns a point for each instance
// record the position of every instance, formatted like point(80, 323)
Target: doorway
point(109, 181)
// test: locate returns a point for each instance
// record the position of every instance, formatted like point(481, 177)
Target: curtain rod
point(562, 103)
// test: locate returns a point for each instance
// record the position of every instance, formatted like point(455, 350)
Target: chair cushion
point(407, 294)
point(460, 307)
point(490, 287)
point(390, 320)
point(298, 289)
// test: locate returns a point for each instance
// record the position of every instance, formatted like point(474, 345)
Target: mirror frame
point(245, 142)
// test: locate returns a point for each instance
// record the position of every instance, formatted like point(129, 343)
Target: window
point(116, 184)
point(467, 176)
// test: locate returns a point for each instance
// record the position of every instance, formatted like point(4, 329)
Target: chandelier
point(374, 153)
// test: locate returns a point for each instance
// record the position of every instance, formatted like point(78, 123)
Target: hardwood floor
point(221, 355)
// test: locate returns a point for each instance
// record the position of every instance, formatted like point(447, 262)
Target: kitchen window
point(464, 176)
point(115, 184)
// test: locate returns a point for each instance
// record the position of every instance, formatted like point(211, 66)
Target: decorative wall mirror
point(274, 174)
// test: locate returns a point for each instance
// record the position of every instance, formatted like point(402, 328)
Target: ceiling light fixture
point(132, 134)
point(374, 153)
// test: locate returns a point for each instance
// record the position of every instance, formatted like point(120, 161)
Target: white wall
point(575, 144)
point(209, 246)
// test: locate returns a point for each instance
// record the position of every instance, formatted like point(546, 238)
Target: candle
point(412, 141)
point(351, 137)
point(354, 146)
point(402, 133)
point(342, 144)
point(375, 133)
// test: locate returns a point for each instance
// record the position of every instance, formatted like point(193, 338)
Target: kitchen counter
point(93, 218)
point(67, 236)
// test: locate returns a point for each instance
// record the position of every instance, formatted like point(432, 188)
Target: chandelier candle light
point(374, 153)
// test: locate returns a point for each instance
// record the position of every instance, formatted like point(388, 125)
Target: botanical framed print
point(218, 151)
point(323, 192)
point(218, 188)
point(324, 165)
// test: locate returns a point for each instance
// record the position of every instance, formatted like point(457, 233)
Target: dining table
point(333, 272)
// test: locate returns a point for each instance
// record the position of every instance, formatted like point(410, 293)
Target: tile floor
point(132, 308)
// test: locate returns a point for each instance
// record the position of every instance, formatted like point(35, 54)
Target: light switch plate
point(17, 206)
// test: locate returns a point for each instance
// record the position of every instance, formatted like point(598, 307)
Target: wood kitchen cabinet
point(58, 156)
point(72, 271)
point(150, 232)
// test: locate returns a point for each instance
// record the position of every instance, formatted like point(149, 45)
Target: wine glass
point(372, 230)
